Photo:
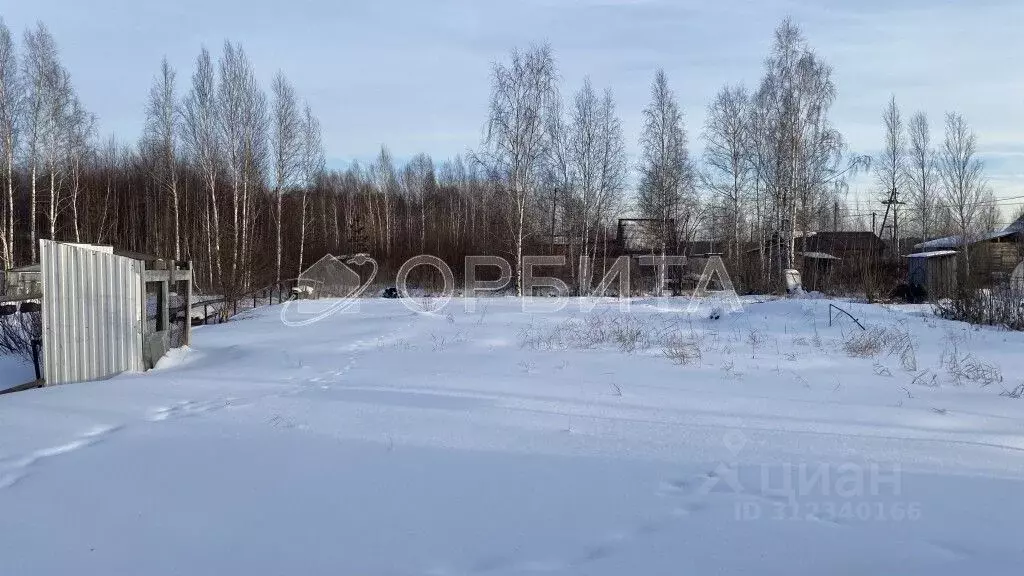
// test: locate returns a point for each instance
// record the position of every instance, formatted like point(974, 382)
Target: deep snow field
point(501, 442)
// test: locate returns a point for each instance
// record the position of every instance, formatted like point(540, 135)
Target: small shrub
point(755, 340)
point(966, 368)
point(629, 338)
point(682, 351)
point(923, 379)
point(896, 340)
point(908, 359)
point(440, 342)
point(1002, 307)
point(865, 344)
point(900, 343)
point(730, 369)
point(627, 333)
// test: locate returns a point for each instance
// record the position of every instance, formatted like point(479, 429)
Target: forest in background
point(231, 174)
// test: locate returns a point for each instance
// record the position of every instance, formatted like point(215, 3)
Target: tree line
point(232, 176)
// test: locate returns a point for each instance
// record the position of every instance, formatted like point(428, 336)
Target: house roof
point(1016, 227)
point(935, 254)
point(848, 235)
point(841, 241)
point(939, 243)
point(818, 256)
point(957, 242)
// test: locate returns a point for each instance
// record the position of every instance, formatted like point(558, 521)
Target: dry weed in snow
point(625, 332)
point(894, 339)
point(1017, 392)
point(965, 368)
point(682, 351)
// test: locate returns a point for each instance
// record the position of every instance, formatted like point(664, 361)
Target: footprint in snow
point(19, 468)
point(189, 408)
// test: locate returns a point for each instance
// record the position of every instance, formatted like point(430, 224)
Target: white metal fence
point(92, 312)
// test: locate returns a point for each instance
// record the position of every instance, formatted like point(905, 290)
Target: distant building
point(21, 282)
point(993, 256)
point(933, 273)
point(853, 247)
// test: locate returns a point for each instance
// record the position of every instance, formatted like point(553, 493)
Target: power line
point(983, 203)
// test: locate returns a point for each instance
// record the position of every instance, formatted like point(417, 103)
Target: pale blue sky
point(414, 74)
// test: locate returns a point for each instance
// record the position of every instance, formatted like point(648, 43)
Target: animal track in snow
point(189, 408)
point(19, 467)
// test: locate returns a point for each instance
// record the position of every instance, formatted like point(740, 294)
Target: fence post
point(206, 314)
point(36, 343)
point(235, 308)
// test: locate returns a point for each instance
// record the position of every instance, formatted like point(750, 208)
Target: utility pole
point(894, 204)
point(873, 215)
point(835, 216)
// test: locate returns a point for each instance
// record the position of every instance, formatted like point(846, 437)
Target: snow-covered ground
point(387, 442)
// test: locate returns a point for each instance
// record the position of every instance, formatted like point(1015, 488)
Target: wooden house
point(852, 247)
point(993, 256)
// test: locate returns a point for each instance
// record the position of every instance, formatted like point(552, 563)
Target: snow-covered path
point(496, 442)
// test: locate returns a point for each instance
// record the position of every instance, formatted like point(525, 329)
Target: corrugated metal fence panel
point(92, 313)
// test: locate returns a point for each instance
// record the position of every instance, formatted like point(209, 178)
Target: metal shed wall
point(92, 312)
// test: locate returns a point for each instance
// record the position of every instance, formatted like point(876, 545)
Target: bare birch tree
point(585, 159)
point(57, 117)
point(312, 167)
point(798, 155)
point(522, 94)
point(890, 168)
point(597, 164)
point(419, 179)
point(729, 174)
point(666, 193)
point(286, 149)
point(556, 180)
point(962, 174)
point(10, 111)
point(40, 56)
point(382, 172)
point(242, 110)
point(80, 127)
point(989, 214)
point(162, 133)
point(202, 141)
point(614, 166)
point(922, 180)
